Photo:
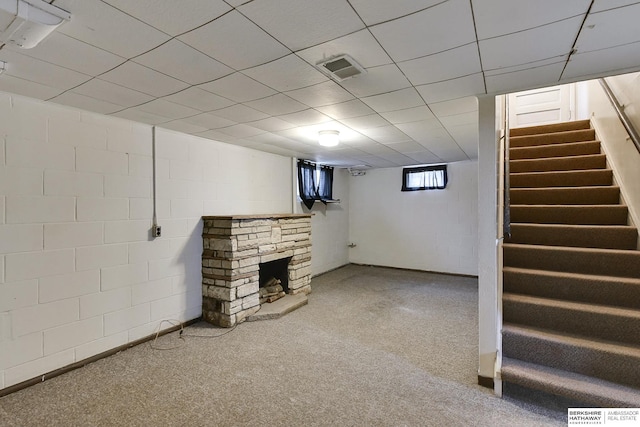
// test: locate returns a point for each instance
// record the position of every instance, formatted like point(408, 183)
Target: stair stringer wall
point(622, 155)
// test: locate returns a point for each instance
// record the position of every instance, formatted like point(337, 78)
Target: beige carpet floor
point(374, 347)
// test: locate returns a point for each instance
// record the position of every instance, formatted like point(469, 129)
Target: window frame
point(423, 169)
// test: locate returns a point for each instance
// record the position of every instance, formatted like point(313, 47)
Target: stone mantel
point(234, 246)
point(264, 216)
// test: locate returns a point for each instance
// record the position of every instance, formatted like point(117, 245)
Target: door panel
point(541, 106)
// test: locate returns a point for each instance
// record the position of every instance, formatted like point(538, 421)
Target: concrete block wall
point(433, 230)
point(330, 226)
point(79, 272)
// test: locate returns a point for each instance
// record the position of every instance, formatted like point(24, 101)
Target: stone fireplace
point(236, 248)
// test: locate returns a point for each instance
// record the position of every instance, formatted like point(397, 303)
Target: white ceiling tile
point(209, 121)
point(525, 79)
point(467, 138)
point(385, 134)
point(286, 73)
point(361, 46)
point(170, 16)
point(183, 62)
point(408, 115)
point(398, 100)
point(26, 88)
point(452, 63)
point(241, 131)
point(344, 110)
point(321, 94)
point(277, 105)
point(272, 124)
point(548, 41)
point(376, 11)
point(406, 147)
point(113, 93)
point(498, 17)
point(216, 136)
point(75, 100)
point(365, 122)
point(470, 118)
point(522, 67)
point(398, 158)
point(238, 87)
point(453, 89)
point(425, 157)
point(377, 149)
point(302, 23)
point(600, 5)
point(305, 118)
point(377, 80)
point(65, 51)
point(442, 27)
point(239, 43)
point(37, 71)
point(101, 25)
point(603, 62)
point(240, 113)
point(456, 106)
point(140, 116)
point(421, 130)
point(611, 28)
point(199, 99)
point(171, 110)
point(143, 79)
point(184, 127)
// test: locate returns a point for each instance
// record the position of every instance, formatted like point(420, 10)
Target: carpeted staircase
point(571, 302)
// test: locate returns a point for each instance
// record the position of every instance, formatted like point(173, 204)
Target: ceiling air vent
point(341, 67)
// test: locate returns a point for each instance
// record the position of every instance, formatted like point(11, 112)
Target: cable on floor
point(182, 334)
point(173, 322)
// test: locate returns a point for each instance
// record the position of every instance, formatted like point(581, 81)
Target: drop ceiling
point(245, 72)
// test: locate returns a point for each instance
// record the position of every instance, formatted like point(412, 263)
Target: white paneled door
point(542, 106)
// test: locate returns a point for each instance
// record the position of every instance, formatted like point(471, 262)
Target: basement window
point(424, 178)
point(315, 182)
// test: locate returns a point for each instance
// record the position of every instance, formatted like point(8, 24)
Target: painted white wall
point(621, 153)
point(424, 230)
point(79, 274)
point(329, 226)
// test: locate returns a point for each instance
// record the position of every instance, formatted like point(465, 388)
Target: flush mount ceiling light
point(328, 138)
point(25, 23)
point(341, 67)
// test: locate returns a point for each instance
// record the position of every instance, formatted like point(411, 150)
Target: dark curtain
point(325, 186)
point(307, 183)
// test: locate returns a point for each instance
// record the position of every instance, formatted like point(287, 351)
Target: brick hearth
point(234, 247)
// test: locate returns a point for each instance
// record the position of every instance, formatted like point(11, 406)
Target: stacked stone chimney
point(234, 247)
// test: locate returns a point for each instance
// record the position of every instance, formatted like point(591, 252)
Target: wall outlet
point(156, 231)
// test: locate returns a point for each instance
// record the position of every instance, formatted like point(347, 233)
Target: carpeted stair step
point(596, 358)
point(585, 236)
point(565, 196)
point(555, 150)
point(588, 288)
point(570, 214)
point(567, 163)
point(552, 138)
point(592, 391)
point(601, 262)
point(581, 178)
point(554, 127)
point(602, 322)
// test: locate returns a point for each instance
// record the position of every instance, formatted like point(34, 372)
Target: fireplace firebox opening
point(274, 279)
